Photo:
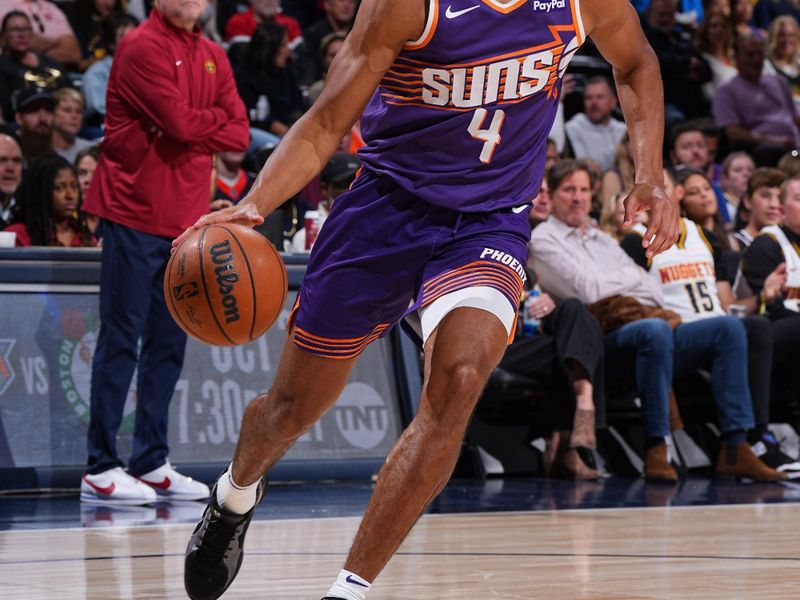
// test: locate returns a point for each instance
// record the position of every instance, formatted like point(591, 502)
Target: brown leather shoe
point(739, 461)
point(583, 430)
point(656, 465)
point(569, 465)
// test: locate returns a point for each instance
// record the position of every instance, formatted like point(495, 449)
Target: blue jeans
point(648, 351)
point(720, 345)
point(643, 351)
point(132, 308)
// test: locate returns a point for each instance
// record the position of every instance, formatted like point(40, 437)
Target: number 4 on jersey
point(491, 136)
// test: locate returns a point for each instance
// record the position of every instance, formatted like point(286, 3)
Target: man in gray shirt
point(595, 133)
point(573, 259)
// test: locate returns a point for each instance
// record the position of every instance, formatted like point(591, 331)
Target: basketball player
point(457, 100)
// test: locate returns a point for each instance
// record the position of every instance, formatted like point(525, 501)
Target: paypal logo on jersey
point(548, 5)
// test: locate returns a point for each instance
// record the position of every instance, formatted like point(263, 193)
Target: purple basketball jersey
point(461, 118)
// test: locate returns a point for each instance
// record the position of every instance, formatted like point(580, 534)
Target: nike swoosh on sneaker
point(106, 491)
point(452, 14)
point(162, 485)
point(354, 581)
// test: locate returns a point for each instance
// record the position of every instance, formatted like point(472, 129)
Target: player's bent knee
point(455, 389)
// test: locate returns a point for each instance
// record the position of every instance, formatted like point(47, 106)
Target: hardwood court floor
point(703, 552)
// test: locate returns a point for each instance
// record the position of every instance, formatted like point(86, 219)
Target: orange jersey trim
point(430, 27)
point(505, 9)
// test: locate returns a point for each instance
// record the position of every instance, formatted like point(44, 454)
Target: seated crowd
point(724, 299)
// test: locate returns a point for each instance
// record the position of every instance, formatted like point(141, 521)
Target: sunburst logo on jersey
point(210, 66)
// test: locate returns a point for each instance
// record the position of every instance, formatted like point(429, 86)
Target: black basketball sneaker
point(216, 548)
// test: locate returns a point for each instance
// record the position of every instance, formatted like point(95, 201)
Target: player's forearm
point(641, 96)
point(306, 149)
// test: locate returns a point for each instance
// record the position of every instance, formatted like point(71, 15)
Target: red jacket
point(244, 24)
point(171, 103)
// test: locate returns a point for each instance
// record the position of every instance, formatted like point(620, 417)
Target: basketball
point(225, 284)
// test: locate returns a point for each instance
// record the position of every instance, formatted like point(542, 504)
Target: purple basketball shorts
point(383, 254)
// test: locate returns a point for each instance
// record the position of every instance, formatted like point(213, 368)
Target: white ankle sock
point(233, 497)
point(349, 586)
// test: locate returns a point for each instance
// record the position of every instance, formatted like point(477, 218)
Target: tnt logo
point(183, 291)
point(361, 416)
point(6, 370)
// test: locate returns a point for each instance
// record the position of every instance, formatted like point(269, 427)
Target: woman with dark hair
point(48, 201)
point(699, 203)
point(266, 82)
point(86, 18)
point(20, 66)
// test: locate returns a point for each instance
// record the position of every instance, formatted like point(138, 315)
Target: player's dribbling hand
point(664, 223)
point(244, 213)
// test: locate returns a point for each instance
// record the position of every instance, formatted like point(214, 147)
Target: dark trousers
point(569, 334)
point(133, 309)
point(786, 371)
point(759, 364)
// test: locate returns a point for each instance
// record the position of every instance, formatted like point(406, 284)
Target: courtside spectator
point(755, 109)
point(783, 52)
point(735, 174)
point(85, 166)
point(714, 40)
point(595, 133)
point(67, 122)
point(690, 277)
point(87, 18)
point(95, 80)
point(266, 82)
point(33, 111)
point(10, 177)
point(338, 20)
point(240, 27)
point(52, 33)
point(20, 65)
point(573, 259)
point(151, 183)
point(690, 148)
point(772, 268)
point(762, 201)
point(48, 204)
point(700, 204)
point(683, 69)
point(232, 182)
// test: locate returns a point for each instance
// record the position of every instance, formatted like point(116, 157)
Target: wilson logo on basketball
point(186, 290)
point(222, 256)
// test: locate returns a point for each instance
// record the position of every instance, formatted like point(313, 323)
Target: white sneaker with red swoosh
point(115, 486)
point(169, 484)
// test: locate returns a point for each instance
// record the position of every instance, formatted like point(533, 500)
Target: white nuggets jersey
point(791, 254)
point(686, 274)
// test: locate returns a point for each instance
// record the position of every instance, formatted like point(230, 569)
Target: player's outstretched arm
point(381, 29)
point(615, 28)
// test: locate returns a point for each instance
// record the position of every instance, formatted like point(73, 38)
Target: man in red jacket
point(171, 104)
